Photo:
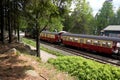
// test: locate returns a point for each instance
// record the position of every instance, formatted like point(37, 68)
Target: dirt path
point(44, 55)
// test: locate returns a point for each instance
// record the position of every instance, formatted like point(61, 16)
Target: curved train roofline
point(49, 32)
point(92, 36)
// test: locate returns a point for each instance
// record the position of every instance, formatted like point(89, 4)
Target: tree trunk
point(37, 43)
point(2, 23)
point(37, 37)
point(9, 23)
point(18, 34)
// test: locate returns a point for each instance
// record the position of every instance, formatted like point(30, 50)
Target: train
point(99, 44)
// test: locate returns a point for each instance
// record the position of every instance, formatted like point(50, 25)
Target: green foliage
point(22, 23)
point(40, 15)
point(32, 43)
point(118, 16)
point(104, 16)
point(86, 69)
point(46, 14)
point(41, 12)
point(56, 24)
point(81, 19)
point(52, 51)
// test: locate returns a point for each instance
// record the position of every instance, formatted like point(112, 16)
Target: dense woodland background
point(59, 15)
point(54, 15)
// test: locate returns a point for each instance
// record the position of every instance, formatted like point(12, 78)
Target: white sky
point(97, 4)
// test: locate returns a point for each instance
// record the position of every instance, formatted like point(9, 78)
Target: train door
point(115, 49)
point(118, 47)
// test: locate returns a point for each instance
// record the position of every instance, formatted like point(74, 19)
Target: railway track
point(89, 55)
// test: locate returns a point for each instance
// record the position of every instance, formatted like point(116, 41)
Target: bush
point(86, 69)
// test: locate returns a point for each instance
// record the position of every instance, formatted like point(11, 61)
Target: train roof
point(92, 37)
point(47, 32)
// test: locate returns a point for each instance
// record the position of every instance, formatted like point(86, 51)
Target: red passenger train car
point(101, 44)
point(52, 37)
point(107, 45)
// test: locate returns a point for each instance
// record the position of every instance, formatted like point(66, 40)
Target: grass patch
point(32, 43)
point(28, 41)
point(86, 69)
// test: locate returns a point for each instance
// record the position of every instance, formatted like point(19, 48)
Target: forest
point(61, 16)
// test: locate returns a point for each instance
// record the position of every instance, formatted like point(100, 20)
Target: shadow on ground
point(12, 68)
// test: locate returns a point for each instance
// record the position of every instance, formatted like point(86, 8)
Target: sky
point(97, 4)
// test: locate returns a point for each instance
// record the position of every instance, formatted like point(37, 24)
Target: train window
point(97, 43)
point(70, 38)
point(108, 44)
point(41, 35)
point(48, 35)
point(51, 36)
point(104, 44)
point(44, 35)
point(75, 39)
point(65, 38)
point(88, 41)
point(118, 45)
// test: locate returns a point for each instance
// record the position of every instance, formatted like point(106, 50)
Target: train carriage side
point(42, 36)
point(71, 40)
point(94, 43)
point(102, 46)
point(49, 36)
